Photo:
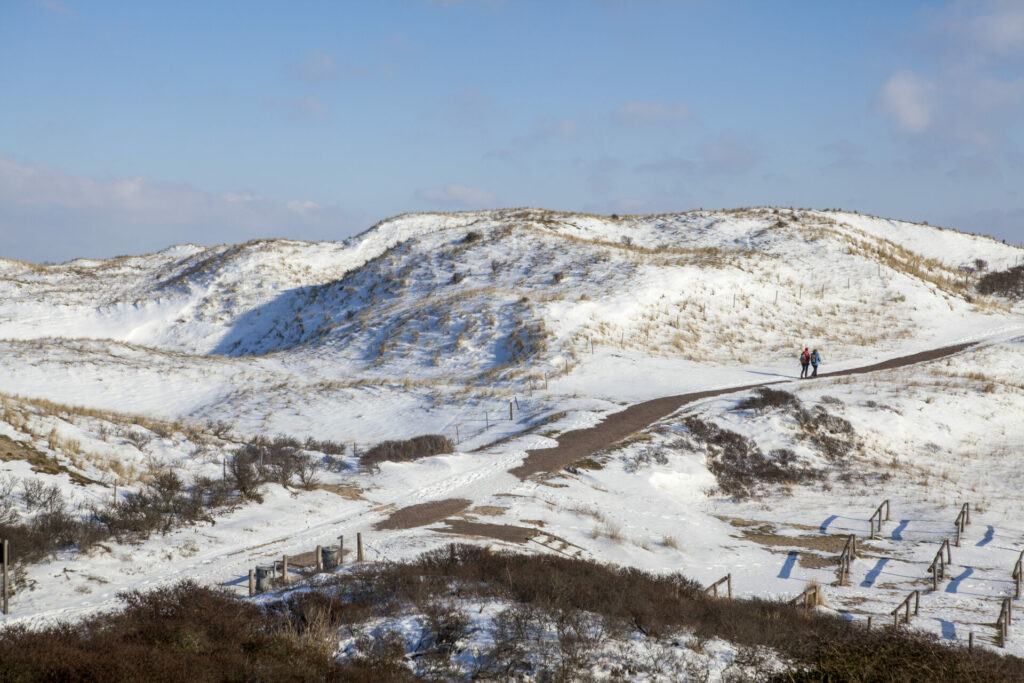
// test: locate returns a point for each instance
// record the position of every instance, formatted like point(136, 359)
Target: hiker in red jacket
point(805, 360)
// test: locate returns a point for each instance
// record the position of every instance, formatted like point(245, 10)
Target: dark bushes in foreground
point(402, 451)
point(568, 608)
point(183, 632)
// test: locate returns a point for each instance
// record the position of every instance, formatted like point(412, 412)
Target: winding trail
point(580, 443)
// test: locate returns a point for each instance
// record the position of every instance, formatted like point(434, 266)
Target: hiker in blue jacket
point(815, 361)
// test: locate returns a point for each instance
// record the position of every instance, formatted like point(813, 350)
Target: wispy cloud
point(58, 7)
point(639, 113)
point(310, 108)
point(906, 99)
point(727, 154)
point(965, 93)
point(458, 196)
point(75, 215)
point(316, 67)
point(547, 129)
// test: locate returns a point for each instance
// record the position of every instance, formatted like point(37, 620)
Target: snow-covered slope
point(433, 323)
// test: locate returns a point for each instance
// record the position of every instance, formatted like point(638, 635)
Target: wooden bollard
point(359, 547)
point(252, 582)
point(319, 558)
point(5, 563)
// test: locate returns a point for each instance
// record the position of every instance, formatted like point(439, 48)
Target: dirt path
point(580, 443)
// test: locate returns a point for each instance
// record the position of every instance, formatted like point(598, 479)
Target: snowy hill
point(503, 330)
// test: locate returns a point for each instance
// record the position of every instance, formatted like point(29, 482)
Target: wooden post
point(319, 558)
point(487, 421)
point(252, 582)
point(115, 492)
point(341, 550)
point(516, 399)
point(284, 568)
point(359, 547)
point(728, 582)
point(451, 550)
point(5, 551)
point(869, 622)
point(223, 466)
point(510, 411)
point(970, 641)
point(458, 439)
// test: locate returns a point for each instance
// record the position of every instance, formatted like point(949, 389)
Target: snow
point(569, 318)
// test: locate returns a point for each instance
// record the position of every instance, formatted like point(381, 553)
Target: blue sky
point(127, 127)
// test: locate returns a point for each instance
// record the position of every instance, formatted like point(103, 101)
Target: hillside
point(503, 331)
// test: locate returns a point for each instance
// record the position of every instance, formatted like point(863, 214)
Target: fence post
point(869, 622)
point(728, 582)
point(319, 558)
point(284, 568)
point(252, 582)
point(5, 550)
point(341, 550)
point(970, 641)
point(510, 411)
point(359, 547)
point(487, 421)
point(458, 439)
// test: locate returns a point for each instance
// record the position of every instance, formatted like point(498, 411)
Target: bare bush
point(833, 436)
point(138, 439)
point(1008, 283)
point(740, 468)
point(403, 451)
point(766, 398)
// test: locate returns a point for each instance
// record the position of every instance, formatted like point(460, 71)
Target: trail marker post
point(1018, 574)
point(5, 563)
point(359, 547)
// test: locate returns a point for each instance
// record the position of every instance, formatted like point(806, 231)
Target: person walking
point(815, 362)
point(805, 360)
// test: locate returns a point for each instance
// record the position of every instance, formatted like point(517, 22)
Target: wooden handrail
point(727, 579)
point(906, 604)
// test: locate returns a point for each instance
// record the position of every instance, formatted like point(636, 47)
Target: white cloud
point(316, 66)
point(58, 7)
point(547, 129)
point(309, 107)
point(50, 214)
point(638, 113)
point(458, 196)
point(904, 97)
point(727, 154)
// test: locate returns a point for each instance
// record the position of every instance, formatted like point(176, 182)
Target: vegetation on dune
point(559, 618)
